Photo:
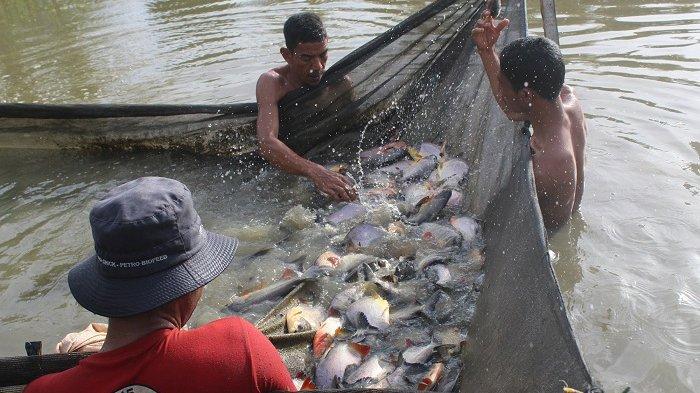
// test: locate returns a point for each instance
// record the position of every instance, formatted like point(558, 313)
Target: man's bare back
point(558, 161)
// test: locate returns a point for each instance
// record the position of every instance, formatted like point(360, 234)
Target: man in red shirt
point(152, 260)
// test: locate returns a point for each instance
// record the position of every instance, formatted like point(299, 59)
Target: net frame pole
point(549, 20)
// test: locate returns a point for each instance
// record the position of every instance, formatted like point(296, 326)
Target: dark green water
point(629, 263)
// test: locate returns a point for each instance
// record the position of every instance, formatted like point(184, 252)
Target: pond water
point(628, 264)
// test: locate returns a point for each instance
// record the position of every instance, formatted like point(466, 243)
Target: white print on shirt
point(136, 389)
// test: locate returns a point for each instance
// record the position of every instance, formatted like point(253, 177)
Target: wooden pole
point(549, 20)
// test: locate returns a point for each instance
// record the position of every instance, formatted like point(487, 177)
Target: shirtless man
point(528, 83)
point(306, 54)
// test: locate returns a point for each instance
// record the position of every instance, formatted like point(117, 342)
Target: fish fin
point(315, 271)
point(288, 273)
point(308, 384)
point(414, 153)
point(438, 183)
point(424, 200)
point(431, 378)
point(321, 343)
point(298, 260)
point(362, 349)
point(425, 384)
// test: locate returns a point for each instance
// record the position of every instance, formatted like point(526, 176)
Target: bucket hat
point(150, 248)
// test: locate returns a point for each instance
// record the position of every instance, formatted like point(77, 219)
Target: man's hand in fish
point(487, 31)
point(335, 185)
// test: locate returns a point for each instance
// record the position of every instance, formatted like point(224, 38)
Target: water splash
point(359, 151)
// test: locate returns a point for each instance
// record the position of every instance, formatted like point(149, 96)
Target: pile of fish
point(397, 280)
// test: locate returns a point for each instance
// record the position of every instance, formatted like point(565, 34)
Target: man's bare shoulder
point(273, 83)
point(573, 109)
point(271, 79)
point(570, 100)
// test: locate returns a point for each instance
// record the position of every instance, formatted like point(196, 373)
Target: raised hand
point(487, 31)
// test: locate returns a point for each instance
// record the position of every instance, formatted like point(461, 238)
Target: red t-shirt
point(227, 355)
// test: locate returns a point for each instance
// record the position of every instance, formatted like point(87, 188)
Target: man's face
point(308, 61)
point(516, 100)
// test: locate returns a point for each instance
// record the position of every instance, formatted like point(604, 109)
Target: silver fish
point(362, 273)
point(345, 298)
point(350, 262)
point(276, 290)
point(440, 306)
point(331, 368)
point(363, 235)
point(418, 354)
point(420, 170)
point(433, 258)
point(429, 149)
point(383, 155)
point(395, 292)
point(405, 270)
point(302, 318)
point(468, 227)
point(430, 209)
point(439, 274)
point(450, 173)
point(439, 235)
point(455, 201)
point(373, 309)
point(407, 312)
point(395, 169)
point(370, 369)
point(417, 192)
point(350, 211)
point(397, 378)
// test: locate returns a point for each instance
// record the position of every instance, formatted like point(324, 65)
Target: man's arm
point(281, 156)
point(485, 35)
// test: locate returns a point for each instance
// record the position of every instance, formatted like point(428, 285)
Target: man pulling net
point(306, 54)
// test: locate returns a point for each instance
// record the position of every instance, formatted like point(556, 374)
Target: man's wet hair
point(534, 62)
point(303, 27)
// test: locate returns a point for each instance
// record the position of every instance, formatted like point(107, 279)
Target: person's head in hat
point(152, 257)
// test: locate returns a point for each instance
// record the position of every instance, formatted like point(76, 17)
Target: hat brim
point(120, 297)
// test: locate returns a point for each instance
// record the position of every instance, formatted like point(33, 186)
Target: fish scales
point(430, 209)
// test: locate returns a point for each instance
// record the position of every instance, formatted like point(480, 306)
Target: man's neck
point(547, 118)
point(124, 331)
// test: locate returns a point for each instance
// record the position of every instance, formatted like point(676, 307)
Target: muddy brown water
point(628, 264)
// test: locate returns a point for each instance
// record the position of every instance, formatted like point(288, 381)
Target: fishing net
point(420, 81)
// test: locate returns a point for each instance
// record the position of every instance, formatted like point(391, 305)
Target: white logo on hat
point(131, 264)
